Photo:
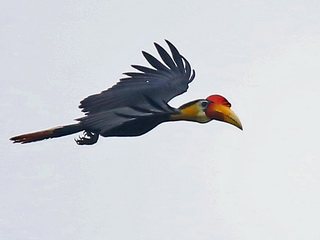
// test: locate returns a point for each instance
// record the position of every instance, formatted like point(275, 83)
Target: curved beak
point(223, 113)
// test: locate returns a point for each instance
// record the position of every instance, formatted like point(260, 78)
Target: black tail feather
point(49, 133)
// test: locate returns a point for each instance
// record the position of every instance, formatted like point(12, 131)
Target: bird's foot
point(89, 138)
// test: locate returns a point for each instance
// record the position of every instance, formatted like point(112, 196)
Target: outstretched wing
point(161, 83)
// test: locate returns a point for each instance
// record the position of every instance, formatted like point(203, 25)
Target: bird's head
point(218, 108)
point(214, 107)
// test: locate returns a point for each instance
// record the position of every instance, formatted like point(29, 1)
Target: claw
point(88, 138)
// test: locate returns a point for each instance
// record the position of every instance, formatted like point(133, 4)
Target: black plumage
point(162, 83)
point(138, 102)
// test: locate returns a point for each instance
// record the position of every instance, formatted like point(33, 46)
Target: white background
point(182, 180)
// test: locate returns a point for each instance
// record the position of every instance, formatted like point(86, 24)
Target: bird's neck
point(190, 112)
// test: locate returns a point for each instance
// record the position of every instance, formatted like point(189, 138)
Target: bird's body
point(139, 102)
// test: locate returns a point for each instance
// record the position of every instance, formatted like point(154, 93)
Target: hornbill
point(139, 102)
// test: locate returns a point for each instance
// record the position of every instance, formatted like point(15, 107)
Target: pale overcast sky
point(182, 180)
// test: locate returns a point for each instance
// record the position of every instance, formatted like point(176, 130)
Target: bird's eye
point(204, 104)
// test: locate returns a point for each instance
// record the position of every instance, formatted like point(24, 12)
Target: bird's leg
point(89, 138)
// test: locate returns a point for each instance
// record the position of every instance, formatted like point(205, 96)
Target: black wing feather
point(176, 55)
point(165, 57)
point(154, 62)
point(160, 83)
point(144, 69)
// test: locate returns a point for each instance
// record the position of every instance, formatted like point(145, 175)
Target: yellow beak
point(223, 113)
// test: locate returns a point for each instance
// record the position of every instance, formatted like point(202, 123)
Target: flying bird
point(139, 102)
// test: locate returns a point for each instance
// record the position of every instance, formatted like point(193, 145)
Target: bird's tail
point(49, 133)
